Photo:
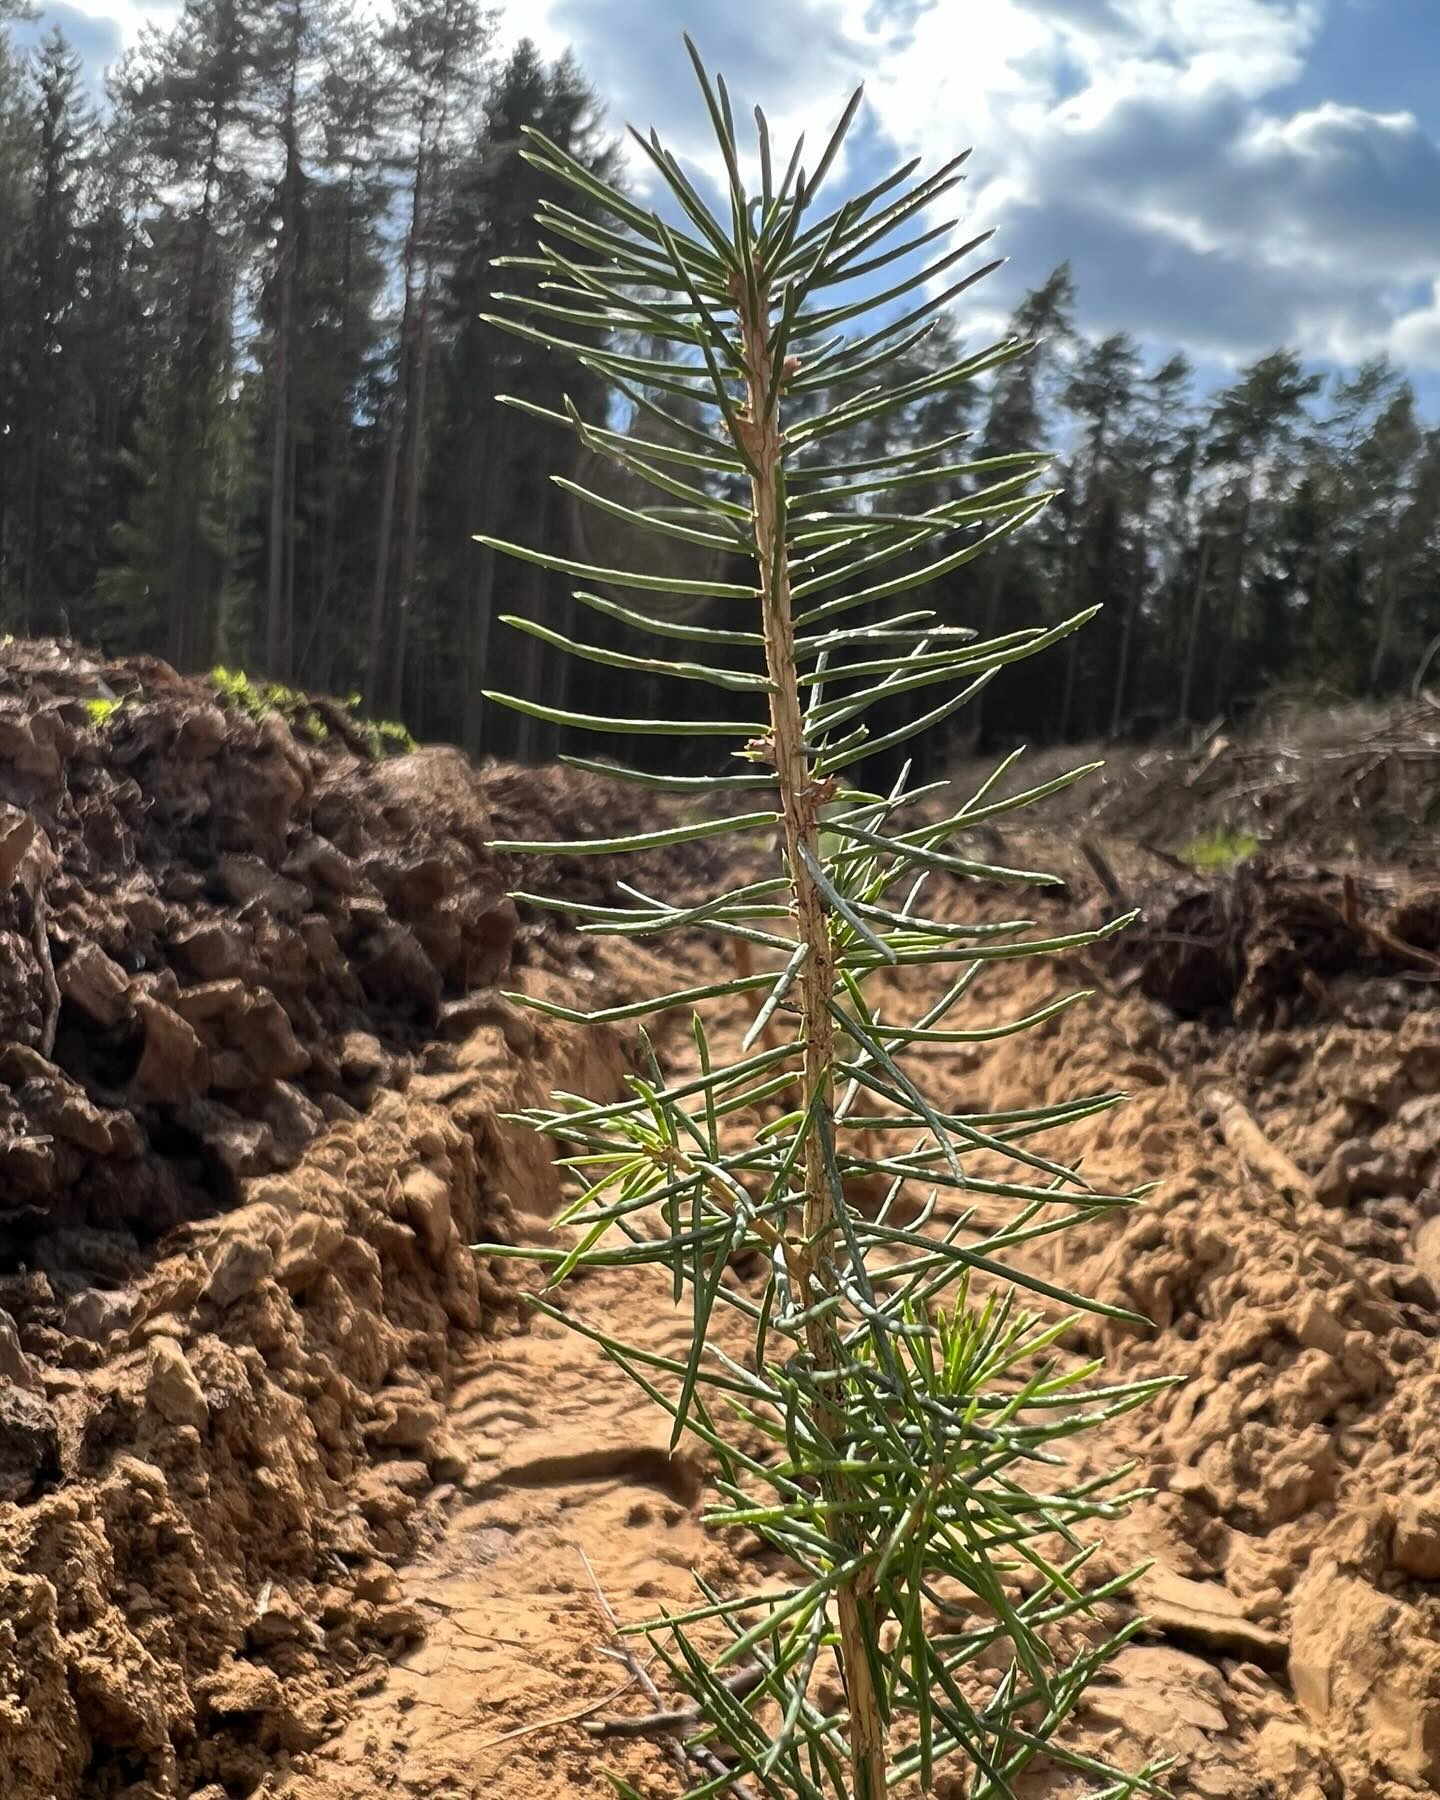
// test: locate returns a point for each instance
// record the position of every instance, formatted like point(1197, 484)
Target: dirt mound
point(1263, 942)
point(250, 1065)
point(209, 1571)
point(1300, 777)
point(562, 805)
point(264, 1467)
point(215, 937)
point(1289, 1263)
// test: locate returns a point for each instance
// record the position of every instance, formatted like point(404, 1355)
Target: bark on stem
point(801, 797)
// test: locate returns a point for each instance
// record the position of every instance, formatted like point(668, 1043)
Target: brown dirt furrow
point(567, 1456)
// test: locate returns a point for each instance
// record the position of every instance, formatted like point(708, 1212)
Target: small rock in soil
point(406, 1424)
point(17, 833)
point(96, 1313)
point(243, 1687)
point(29, 1442)
point(311, 1243)
point(448, 1461)
point(242, 1147)
point(261, 1029)
point(211, 1000)
point(240, 1267)
point(96, 984)
point(213, 950)
point(15, 1366)
point(175, 1065)
point(1288, 1757)
point(1416, 1544)
point(1359, 1169)
point(281, 1620)
point(378, 1582)
point(172, 1388)
point(401, 1622)
point(396, 972)
point(1426, 1250)
point(1205, 1613)
point(427, 1201)
point(459, 1018)
point(291, 1115)
point(1365, 1668)
point(362, 1058)
point(243, 879)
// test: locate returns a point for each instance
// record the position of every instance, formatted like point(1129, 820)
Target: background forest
point(246, 411)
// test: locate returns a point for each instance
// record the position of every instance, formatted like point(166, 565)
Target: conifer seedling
point(897, 1428)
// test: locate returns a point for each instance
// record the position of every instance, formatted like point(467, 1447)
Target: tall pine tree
point(491, 463)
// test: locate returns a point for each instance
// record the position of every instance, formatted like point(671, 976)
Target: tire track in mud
point(565, 1456)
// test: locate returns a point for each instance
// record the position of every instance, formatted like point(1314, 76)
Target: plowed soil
point(297, 1500)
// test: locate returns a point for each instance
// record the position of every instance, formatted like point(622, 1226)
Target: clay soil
point(297, 1499)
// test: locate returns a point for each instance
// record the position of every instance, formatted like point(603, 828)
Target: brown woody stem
point(801, 798)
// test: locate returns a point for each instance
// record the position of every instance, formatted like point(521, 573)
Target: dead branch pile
point(1262, 944)
point(1353, 781)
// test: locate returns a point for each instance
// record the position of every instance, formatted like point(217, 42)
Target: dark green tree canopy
point(244, 410)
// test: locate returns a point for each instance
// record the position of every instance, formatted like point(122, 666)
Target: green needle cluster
point(896, 1427)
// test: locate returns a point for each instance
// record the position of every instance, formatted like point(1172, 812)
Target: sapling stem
point(801, 796)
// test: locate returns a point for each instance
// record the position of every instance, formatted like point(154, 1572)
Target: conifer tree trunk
point(1074, 578)
point(481, 607)
point(1132, 611)
point(395, 429)
point(1236, 600)
point(1197, 607)
point(990, 615)
point(340, 436)
point(189, 611)
point(414, 467)
point(279, 639)
point(1386, 621)
point(529, 746)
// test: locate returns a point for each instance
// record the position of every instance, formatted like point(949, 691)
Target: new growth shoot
point(895, 1429)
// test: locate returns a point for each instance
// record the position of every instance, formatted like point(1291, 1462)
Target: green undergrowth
point(306, 716)
point(1221, 849)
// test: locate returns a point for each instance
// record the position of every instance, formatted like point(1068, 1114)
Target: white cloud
point(1144, 130)
point(1416, 335)
point(799, 59)
point(130, 15)
point(1148, 141)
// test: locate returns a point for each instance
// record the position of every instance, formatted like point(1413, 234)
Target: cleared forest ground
point(293, 1496)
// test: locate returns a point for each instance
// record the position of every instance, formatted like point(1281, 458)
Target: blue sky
point(1225, 175)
